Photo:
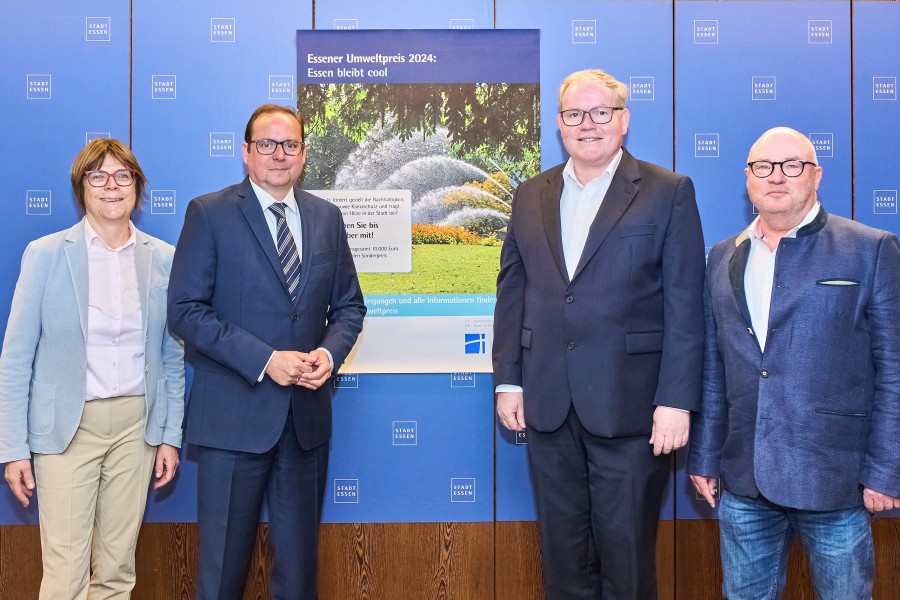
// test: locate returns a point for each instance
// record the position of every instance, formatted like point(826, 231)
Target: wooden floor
point(430, 561)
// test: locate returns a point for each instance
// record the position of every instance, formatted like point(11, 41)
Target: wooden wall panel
point(518, 571)
point(699, 573)
point(430, 561)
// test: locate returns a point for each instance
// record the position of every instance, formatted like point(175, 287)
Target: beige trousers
point(91, 501)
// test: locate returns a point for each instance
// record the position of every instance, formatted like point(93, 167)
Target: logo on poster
point(885, 202)
point(221, 143)
point(462, 489)
point(641, 88)
point(346, 380)
point(405, 433)
point(763, 87)
point(884, 88)
point(706, 31)
point(96, 29)
point(162, 202)
point(460, 380)
point(584, 31)
point(346, 23)
point(281, 87)
point(522, 438)
point(163, 87)
point(462, 23)
point(93, 135)
point(346, 491)
point(823, 143)
point(819, 32)
point(475, 343)
point(37, 202)
point(38, 87)
point(706, 145)
point(221, 29)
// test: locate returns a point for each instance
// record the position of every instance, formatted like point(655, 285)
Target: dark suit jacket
point(228, 301)
point(626, 333)
point(817, 416)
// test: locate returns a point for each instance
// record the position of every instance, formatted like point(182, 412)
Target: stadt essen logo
point(221, 29)
point(584, 31)
point(706, 145)
point(823, 144)
point(96, 29)
point(346, 491)
point(819, 32)
point(706, 31)
point(640, 88)
point(404, 433)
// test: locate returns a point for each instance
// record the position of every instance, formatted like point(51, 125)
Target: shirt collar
point(755, 232)
point(569, 170)
point(266, 199)
point(90, 235)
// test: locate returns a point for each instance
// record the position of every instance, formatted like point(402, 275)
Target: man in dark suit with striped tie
point(265, 295)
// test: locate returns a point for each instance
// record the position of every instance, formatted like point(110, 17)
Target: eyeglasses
point(290, 147)
point(790, 168)
point(600, 115)
point(99, 178)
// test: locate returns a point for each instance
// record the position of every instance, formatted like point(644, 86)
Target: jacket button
point(570, 345)
point(295, 318)
point(764, 373)
point(570, 299)
point(147, 369)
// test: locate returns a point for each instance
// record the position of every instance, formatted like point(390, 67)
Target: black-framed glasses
point(122, 177)
point(266, 146)
point(600, 115)
point(790, 168)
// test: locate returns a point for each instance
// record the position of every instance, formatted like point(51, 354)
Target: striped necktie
point(287, 249)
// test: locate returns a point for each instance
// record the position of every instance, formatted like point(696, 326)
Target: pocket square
point(837, 282)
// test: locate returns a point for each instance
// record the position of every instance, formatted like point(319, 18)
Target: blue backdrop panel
point(876, 106)
point(200, 68)
point(630, 40)
point(739, 72)
point(410, 448)
point(404, 14)
point(64, 77)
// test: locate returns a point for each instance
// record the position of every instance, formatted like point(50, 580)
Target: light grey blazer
point(43, 369)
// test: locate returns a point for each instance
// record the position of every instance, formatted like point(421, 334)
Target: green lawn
point(440, 269)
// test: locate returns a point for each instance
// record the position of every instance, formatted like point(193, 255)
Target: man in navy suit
point(598, 336)
point(265, 295)
point(801, 383)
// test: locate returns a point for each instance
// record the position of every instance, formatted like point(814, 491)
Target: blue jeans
point(756, 537)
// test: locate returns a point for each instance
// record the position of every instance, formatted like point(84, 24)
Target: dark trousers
point(598, 502)
point(231, 487)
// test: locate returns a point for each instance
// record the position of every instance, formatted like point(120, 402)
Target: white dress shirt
point(760, 275)
point(114, 346)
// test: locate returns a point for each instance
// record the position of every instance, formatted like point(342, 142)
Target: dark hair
point(268, 109)
point(92, 156)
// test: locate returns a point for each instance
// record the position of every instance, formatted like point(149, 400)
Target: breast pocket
point(637, 230)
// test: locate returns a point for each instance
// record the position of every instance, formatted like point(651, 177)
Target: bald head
point(782, 137)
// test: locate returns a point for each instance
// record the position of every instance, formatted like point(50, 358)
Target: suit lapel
point(143, 263)
point(737, 265)
point(622, 190)
point(252, 211)
point(551, 195)
point(307, 226)
point(77, 261)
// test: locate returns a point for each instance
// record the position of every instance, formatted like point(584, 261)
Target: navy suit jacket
point(626, 332)
point(815, 417)
point(229, 302)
